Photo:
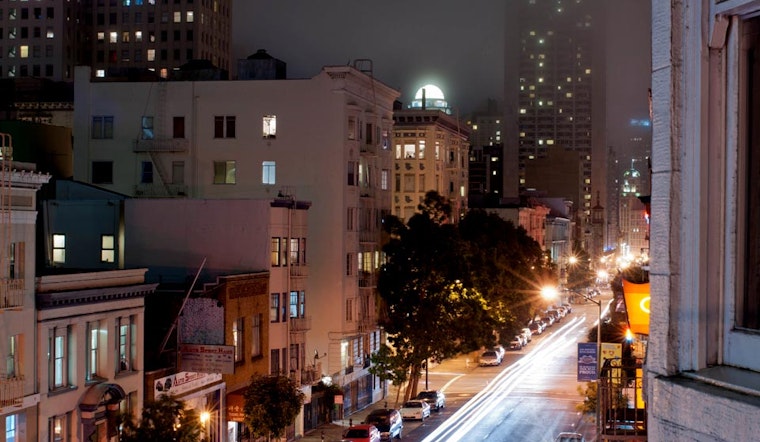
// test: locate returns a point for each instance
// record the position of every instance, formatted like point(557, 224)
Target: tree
point(271, 405)
point(165, 419)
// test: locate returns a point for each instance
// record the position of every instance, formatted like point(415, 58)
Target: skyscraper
point(48, 40)
point(554, 99)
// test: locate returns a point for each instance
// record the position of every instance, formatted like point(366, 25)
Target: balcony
point(300, 324)
point(311, 375)
point(299, 270)
point(161, 145)
point(157, 190)
point(11, 293)
point(11, 391)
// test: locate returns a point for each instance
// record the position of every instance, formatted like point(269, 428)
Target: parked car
point(415, 409)
point(488, 358)
point(362, 433)
point(548, 320)
point(388, 421)
point(536, 327)
point(569, 437)
point(568, 307)
point(527, 334)
point(435, 398)
point(500, 350)
point(515, 344)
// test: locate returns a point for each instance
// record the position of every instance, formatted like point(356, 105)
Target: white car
point(489, 357)
point(415, 409)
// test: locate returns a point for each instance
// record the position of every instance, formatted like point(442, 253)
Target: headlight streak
point(469, 415)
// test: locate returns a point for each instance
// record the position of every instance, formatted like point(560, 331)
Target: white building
point(323, 140)
point(90, 352)
point(703, 365)
point(19, 396)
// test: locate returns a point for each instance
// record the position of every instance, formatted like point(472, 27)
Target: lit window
point(294, 252)
point(125, 36)
point(177, 17)
point(147, 127)
point(58, 350)
point(107, 248)
point(100, 73)
point(410, 151)
point(138, 36)
point(151, 55)
point(274, 307)
point(238, 332)
point(24, 51)
point(13, 363)
point(58, 428)
point(523, 111)
point(101, 37)
point(59, 248)
point(127, 344)
point(93, 346)
point(11, 430)
point(270, 126)
point(268, 170)
point(275, 252)
point(384, 179)
point(190, 17)
point(113, 37)
point(569, 95)
point(224, 172)
point(588, 71)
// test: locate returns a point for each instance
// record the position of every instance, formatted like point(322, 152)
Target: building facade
point(325, 140)
point(19, 396)
point(702, 365)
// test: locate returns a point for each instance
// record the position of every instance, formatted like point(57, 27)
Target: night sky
point(455, 44)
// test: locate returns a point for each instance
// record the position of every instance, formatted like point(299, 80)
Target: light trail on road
point(468, 416)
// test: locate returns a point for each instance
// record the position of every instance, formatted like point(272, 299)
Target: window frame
point(274, 307)
point(126, 344)
point(269, 127)
point(58, 347)
point(238, 338)
point(268, 173)
point(225, 172)
point(58, 243)
point(102, 127)
point(92, 350)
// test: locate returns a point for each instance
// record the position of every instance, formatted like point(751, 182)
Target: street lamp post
point(598, 362)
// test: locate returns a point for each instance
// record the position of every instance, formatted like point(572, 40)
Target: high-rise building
point(115, 38)
point(554, 99)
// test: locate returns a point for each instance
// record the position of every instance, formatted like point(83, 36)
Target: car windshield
point(357, 433)
point(413, 405)
point(426, 395)
point(489, 354)
point(380, 421)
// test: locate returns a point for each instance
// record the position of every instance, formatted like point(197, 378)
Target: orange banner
point(637, 299)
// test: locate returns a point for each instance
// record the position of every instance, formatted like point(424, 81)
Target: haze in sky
point(457, 45)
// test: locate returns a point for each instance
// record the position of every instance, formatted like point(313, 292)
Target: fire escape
point(11, 287)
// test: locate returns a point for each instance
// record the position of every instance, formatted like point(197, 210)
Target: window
point(177, 17)
point(294, 255)
point(146, 172)
point(224, 172)
point(275, 252)
point(268, 172)
point(178, 172)
point(102, 172)
point(189, 17)
point(351, 128)
point(59, 428)
point(303, 251)
point(422, 182)
point(107, 248)
point(16, 260)
point(422, 149)
point(126, 344)
point(294, 304)
point(147, 127)
point(11, 428)
point(102, 127)
point(352, 173)
point(178, 127)
point(369, 133)
point(408, 182)
point(270, 126)
point(13, 361)
point(409, 151)
point(237, 338)
point(59, 248)
point(349, 309)
point(92, 364)
point(351, 219)
point(224, 127)
point(274, 308)
point(384, 179)
point(274, 355)
point(256, 335)
point(58, 347)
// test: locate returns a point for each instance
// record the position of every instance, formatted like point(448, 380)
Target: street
point(532, 396)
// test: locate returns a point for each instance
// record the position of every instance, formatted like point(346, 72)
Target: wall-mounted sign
point(183, 382)
point(207, 358)
point(587, 361)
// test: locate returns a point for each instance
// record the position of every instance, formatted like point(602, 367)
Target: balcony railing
point(11, 293)
point(158, 190)
point(299, 270)
point(161, 145)
point(11, 391)
point(300, 324)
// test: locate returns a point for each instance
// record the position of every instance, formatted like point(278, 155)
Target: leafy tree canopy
point(271, 404)
point(165, 419)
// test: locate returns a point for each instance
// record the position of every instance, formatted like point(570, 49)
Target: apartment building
point(431, 152)
point(19, 396)
point(325, 140)
point(702, 364)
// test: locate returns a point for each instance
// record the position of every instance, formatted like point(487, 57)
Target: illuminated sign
point(637, 306)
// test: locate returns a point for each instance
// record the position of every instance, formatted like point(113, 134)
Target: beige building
point(702, 364)
point(325, 140)
point(431, 152)
point(19, 394)
point(90, 352)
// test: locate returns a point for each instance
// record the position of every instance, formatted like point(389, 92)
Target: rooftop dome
point(432, 92)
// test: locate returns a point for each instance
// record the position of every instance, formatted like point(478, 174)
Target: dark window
point(146, 175)
point(178, 127)
point(102, 172)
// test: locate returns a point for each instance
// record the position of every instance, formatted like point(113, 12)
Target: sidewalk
point(333, 432)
